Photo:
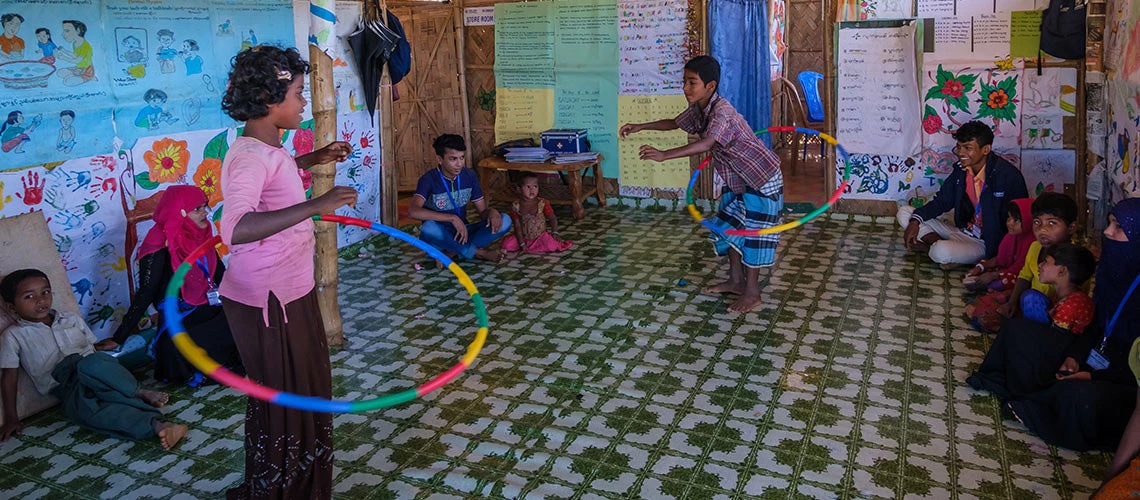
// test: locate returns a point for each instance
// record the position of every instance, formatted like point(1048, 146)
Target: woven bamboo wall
point(480, 59)
point(430, 96)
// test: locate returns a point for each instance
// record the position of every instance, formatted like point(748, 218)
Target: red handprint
point(33, 189)
point(104, 185)
point(347, 131)
point(368, 159)
point(366, 140)
point(104, 161)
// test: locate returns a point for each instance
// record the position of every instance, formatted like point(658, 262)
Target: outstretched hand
point(651, 153)
point(337, 151)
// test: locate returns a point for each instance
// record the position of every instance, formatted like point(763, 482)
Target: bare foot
point(725, 287)
point(170, 434)
point(489, 255)
point(153, 398)
point(746, 302)
point(106, 345)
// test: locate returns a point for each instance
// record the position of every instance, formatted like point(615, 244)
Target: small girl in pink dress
point(533, 216)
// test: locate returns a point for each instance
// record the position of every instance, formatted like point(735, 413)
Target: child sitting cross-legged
point(1067, 267)
point(1000, 272)
point(57, 351)
point(536, 227)
point(1054, 216)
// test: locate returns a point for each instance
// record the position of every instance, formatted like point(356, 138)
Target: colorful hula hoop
point(787, 225)
point(198, 357)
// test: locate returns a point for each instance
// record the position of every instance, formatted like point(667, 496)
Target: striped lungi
point(750, 210)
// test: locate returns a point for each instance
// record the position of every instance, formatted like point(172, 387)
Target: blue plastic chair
point(809, 83)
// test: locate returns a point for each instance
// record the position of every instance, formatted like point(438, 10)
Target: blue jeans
point(442, 236)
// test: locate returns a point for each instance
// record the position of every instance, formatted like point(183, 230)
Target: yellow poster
point(523, 113)
point(638, 172)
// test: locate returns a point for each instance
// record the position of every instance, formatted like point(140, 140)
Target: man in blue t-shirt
point(441, 201)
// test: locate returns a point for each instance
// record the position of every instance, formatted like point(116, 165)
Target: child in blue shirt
point(441, 199)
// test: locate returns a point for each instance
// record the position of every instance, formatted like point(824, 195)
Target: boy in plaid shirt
point(754, 188)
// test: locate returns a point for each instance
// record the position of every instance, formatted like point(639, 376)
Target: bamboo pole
point(324, 177)
point(828, 8)
point(460, 47)
point(389, 211)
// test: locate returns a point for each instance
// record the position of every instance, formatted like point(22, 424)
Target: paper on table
point(638, 172)
point(522, 113)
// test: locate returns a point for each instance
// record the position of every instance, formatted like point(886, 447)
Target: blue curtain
point(738, 33)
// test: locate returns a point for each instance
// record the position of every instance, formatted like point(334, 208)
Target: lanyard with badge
point(212, 296)
point(974, 229)
point(458, 191)
point(1096, 359)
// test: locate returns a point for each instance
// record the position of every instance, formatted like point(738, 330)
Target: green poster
point(1024, 33)
point(589, 100)
point(524, 45)
point(585, 34)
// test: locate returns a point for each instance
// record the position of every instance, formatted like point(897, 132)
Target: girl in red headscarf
point(180, 226)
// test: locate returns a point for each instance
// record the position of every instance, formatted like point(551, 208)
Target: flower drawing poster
point(953, 96)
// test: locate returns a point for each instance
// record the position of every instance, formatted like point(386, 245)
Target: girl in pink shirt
point(268, 292)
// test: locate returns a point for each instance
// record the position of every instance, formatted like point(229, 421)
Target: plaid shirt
point(740, 158)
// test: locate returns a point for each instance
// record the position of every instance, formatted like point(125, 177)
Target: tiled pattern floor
point(605, 377)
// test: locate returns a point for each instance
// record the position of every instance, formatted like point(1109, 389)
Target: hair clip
point(284, 75)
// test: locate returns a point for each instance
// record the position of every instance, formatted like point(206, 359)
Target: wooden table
point(494, 174)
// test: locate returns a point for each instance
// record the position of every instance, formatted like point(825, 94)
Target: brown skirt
point(288, 453)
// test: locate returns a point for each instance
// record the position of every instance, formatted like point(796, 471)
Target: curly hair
point(261, 76)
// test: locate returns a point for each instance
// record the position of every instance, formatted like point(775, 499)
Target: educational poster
point(523, 113)
point(80, 199)
point(956, 95)
point(652, 39)
point(590, 101)
point(586, 74)
point(1122, 39)
point(991, 36)
point(636, 172)
point(1123, 149)
point(878, 109)
point(1048, 171)
point(778, 24)
point(862, 10)
point(524, 46)
point(1024, 33)
point(55, 98)
point(885, 177)
point(240, 24)
point(1053, 92)
point(361, 171)
point(1042, 132)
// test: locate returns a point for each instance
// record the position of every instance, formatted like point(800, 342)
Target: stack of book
point(527, 155)
point(575, 157)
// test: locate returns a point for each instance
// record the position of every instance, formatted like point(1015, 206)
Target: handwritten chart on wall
point(55, 97)
point(524, 45)
point(638, 172)
point(586, 73)
point(652, 36)
point(523, 113)
point(878, 91)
